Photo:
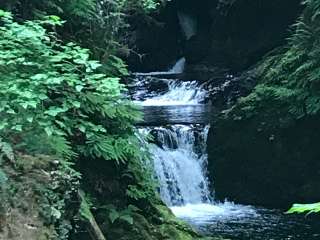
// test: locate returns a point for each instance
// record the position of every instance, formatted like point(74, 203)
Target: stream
point(177, 115)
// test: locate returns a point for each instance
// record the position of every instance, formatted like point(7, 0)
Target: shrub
point(53, 89)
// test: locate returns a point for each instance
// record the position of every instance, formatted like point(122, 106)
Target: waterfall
point(179, 93)
point(188, 24)
point(179, 154)
point(179, 66)
point(180, 161)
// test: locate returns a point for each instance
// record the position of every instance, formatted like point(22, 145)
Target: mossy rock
point(20, 216)
point(161, 225)
point(30, 206)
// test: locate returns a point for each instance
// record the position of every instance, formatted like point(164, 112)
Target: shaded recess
point(227, 34)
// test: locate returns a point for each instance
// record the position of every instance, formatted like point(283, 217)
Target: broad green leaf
point(49, 131)
point(79, 88)
point(82, 128)
point(113, 216)
point(305, 208)
point(30, 119)
point(55, 213)
point(17, 128)
point(39, 76)
point(76, 104)
point(54, 111)
point(127, 219)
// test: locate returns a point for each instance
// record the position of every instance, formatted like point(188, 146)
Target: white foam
point(208, 213)
point(179, 93)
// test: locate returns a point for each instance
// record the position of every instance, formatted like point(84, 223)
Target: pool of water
point(184, 114)
point(238, 222)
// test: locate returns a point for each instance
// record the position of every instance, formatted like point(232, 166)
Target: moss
point(160, 225)
point(32, 208)
point(19, 200)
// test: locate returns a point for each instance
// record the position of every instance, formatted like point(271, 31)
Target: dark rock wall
point(232, 36)
point(235, 36)
point(273, 168)
point(156, 40)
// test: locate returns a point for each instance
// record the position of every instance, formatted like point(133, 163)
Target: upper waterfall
point(179, 93)
point(179, 66)
point(151, 90)
point(188, 24)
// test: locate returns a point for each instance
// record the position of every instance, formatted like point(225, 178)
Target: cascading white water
point(188, 24)
point(179, 93)
point(167, 92)
point(179, 162)
point(179, 152)
point(179, 66)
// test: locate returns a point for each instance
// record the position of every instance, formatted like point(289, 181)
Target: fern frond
point(6, 151)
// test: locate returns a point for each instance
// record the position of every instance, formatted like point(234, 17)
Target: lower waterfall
point(180, 161)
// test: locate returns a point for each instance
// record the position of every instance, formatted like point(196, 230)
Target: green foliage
point(100, 25)
point(144, 6)
point(55, 88)
point(289, 77)
point(56, 100)
point(86, 204)
point(6, 151)
point(114, 215)
point(3, 179)
point(110, 212)
point(305, 208)
point(59, 198)
point(287, 95)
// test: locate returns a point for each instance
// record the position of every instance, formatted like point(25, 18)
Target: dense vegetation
point(64, 110)
point(290, 78)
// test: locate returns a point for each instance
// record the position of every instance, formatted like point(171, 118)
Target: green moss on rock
point(161, 225)
point(33, 199)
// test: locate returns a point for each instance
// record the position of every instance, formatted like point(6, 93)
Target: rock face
point(227, 34)
point(235, 34)
point(156, 40)
point(272, 168)
point(264, 149)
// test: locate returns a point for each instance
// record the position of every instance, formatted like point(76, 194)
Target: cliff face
point(236, 34)
point(273, 167)
point(264, 150)
point(228, 34)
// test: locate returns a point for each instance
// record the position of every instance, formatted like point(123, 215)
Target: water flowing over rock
point(179, 66)
point(180, 161)
point(179, 93)
point(188, 24)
